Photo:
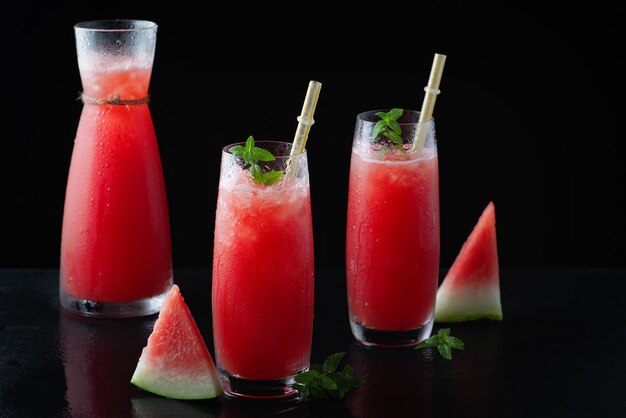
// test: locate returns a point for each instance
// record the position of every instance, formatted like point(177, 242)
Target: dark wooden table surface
point(560, 352)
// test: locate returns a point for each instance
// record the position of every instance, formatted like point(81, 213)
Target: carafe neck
point(115, 59)
point(125, 83)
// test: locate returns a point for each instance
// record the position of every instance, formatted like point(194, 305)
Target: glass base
point(85, 307)
point(405, 338)
point(258, 388)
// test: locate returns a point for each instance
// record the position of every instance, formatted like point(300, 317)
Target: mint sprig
point(323, 381)
point(388, 126)
point(444, 342)
point(251, 155)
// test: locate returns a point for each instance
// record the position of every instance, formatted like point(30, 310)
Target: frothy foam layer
point(98, 62)
point(237, 180)
point(394, 158)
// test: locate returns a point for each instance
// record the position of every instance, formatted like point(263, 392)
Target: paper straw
point(305, 120)
point(428, 105)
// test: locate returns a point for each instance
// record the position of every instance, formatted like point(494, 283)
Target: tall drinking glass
point(262, 294)
point(115, 245)
point(392, 242)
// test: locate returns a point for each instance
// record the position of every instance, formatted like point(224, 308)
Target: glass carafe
point(115, 245)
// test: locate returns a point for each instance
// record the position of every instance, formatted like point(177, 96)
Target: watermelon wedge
point(176, 362)
point(471, 289)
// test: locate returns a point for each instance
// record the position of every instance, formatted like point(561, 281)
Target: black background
point(528, 117)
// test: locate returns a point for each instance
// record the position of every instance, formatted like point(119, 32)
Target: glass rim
point(116, 25)
point(225, 149)
point(361, 116)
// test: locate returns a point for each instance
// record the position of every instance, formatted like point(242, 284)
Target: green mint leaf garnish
point(260, 154)
point(251, 155)
point(397, 139)
point(395, 126)
point(379, 128)
point(323, 381)
point(237, 150)
point(383, 115)
point(394, 114)
point(332, 361)
point(257, 174)
point(328, 383)
point(272, 177)
point(444, 343)
point(389, 127)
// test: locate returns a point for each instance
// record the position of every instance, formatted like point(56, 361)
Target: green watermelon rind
point(143, 379)
point(468, 304)
point(497, 316)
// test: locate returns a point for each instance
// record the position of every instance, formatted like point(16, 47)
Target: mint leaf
point(257, 175)
point(251, 155)
point(378, 128)
point(332, 361)
point(272, 177)
point(260, 154)
point(383, 115)
point(328, 383)
point(445, 351)
point(397, 139)
point(307, 377)
point(389, 127)
point(455, 343)
point(395, 126)
point(444, 343)
point(395, 113)
point(237, 150)
point(324, 381)
point(250, 143)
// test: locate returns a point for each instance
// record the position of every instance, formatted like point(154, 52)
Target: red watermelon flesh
point(176, 362)
point(471, 289)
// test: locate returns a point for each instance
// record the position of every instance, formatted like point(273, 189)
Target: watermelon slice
point(471, 289)
point(176, 362)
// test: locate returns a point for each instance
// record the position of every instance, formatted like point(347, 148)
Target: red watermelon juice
point(263, 281)
point(392, 244)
